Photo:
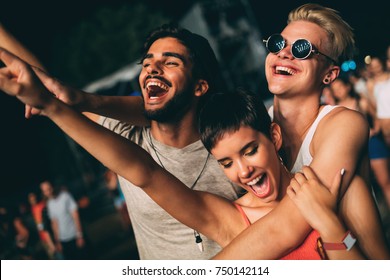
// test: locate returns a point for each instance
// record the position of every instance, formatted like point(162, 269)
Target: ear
point(332, 74)
point(276, 136)
point(201, 87)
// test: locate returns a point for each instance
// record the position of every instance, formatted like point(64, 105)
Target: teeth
point(254, 181)
point(160, 85)
point(285, 69)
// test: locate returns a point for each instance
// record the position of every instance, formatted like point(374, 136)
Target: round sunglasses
point(300, 49)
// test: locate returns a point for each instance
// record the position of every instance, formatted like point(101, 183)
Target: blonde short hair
point(341, 45)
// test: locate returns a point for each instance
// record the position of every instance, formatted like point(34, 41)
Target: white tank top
point(382, 96)
point(304, 157)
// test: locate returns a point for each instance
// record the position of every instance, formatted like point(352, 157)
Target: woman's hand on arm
point(318, 205)
point(315, 201)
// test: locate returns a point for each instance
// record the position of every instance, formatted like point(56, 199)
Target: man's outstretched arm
point(125, 108)
point(10, 43)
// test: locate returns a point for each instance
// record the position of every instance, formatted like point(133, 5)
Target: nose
point(244, 170)
point(154, 68)
point(285, 52)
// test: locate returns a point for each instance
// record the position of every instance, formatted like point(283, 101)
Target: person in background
point(327, 96)
point(358, 79)
point(378, 89)
point(14, 235)
point(112, 183)
point(65, 221)
point(38, 211)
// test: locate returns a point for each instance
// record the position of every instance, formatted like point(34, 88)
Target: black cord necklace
point(162, 165)
point(198, 239)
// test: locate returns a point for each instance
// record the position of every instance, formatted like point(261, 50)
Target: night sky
point(34, 23)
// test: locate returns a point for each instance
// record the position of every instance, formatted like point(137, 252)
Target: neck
point(285, 178)
point(288, 110)
point(295, 116)
point(179, 134)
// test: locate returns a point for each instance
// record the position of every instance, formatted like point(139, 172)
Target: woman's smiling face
point(249, 159)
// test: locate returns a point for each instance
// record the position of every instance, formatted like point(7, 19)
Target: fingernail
point(342, 171)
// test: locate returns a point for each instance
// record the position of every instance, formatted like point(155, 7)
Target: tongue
point(155, 91)
point(260, 186)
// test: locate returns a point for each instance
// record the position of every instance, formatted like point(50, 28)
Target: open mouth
point(260, 185)
point(281, 70)
point(156, 89)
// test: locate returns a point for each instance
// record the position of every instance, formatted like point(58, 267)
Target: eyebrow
point(166, 54)
point(241, 150)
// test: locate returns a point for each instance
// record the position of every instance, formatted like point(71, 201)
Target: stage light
point(348, 65)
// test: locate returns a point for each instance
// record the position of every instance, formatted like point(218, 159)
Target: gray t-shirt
point(158, 235)
point(61, 209)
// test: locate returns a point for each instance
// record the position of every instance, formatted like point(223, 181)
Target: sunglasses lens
point(301, 49)
point(275, 43)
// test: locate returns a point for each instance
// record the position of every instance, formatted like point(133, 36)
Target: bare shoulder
point(340, 128)
point(345, 120)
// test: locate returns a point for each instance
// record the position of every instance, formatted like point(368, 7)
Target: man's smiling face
point(166, 79)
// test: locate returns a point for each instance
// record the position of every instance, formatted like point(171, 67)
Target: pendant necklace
point(198, 238)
